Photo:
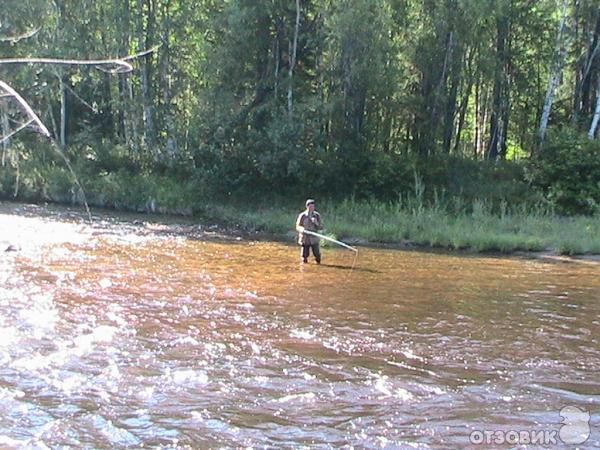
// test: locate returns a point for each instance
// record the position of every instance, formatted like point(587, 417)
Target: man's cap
point(310, 201)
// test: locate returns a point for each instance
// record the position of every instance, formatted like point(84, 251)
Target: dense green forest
point(372, 99)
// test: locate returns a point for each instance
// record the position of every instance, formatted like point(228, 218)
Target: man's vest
point(304, 220)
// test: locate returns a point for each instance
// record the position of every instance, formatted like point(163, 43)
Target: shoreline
point(201, 228)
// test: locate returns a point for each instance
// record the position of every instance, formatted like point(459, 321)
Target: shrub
point(567, 171)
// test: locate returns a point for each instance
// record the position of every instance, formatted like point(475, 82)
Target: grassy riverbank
point(475, 228)
point(410, 224)
point(500, 223)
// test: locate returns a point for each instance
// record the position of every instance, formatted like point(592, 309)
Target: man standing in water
point(309, 220)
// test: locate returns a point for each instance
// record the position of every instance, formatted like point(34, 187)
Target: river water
point(135, 334)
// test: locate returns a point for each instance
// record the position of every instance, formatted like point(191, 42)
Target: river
point(130, 332)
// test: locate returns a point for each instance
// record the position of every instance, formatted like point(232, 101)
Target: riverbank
point(538, 236)
point(476, 229)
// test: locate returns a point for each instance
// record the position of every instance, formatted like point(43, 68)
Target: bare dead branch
point(140, 54)
point(122, 66)
point(9, 135)
point(28, 110)
point(15, 39)
point(76, 95)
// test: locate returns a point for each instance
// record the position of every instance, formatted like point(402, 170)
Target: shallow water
point(111, 337)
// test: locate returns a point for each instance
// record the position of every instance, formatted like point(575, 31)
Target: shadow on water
point(350, 268)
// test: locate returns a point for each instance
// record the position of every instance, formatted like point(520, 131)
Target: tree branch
point(122, 65)
point(32, 115)
point(15, 39)
point(9, 135)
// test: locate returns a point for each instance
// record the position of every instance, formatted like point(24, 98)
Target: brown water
point(115, 335)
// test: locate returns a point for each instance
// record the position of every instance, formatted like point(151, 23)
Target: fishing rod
point(327, 238)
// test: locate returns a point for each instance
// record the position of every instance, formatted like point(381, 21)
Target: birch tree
point(596, 118)
point(293, 52)
point(556, 74)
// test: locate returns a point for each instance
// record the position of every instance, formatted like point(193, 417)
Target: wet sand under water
point(130, 333)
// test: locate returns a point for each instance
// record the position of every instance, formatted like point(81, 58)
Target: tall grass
point(453, 223)
point(477, 226)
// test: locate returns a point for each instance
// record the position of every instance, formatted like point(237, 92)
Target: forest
point(450, 101)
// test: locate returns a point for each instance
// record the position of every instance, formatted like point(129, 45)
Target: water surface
point(115, 335)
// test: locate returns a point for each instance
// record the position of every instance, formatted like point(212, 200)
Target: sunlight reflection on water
point(121, 340)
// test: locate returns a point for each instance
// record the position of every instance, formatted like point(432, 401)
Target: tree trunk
point(63, 113)
point(277, 56)
point(499, 116)
point(561, 52)
point(577, 51)
point(171, 144)
point(52, 118)
point(596, 118)
point(293, 51)
point(147, 105)
point(477, 114)
point(584, 96)
point(134, 118)
point(125, 100)
point(450, 115)
point(438, 94)
point(144, 39)
point(462, 113)
point(112, 115)
point(586, 81)
point(483, 118)
point(124, 107)
point(5, 124)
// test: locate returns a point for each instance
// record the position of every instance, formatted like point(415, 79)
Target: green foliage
point(377, 94)
point(567, 171)
point(454, 222)
point(475, 228)
point(7, 183)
